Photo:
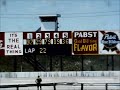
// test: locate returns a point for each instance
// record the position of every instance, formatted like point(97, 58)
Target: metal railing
point(64, 83)
point(28, 85)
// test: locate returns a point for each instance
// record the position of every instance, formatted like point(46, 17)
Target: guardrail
point(28, 85)
point(64, 83)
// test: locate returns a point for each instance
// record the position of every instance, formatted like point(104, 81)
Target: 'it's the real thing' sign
point(14, 43)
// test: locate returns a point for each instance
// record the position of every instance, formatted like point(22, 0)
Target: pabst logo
point(110, 40)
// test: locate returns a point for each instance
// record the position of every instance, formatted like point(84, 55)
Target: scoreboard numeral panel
point(47, 43)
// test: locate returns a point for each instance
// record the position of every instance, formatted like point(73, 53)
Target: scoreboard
point(60, 43)
point(47, 43)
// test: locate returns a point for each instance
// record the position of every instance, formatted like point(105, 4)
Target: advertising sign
point(109, 42)
point(14, 43)
point(2, 44)
point(85, 42)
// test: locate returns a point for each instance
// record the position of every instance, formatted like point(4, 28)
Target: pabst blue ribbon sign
point(109, 42)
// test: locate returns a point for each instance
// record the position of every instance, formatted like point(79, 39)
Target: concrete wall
point(60, 74)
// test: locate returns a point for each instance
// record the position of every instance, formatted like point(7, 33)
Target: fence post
point(106, 86)
point(81, 86)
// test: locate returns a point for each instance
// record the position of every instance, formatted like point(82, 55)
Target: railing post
point(54, 86)
point(81, 86)
point(17, 87)
point(106, 86)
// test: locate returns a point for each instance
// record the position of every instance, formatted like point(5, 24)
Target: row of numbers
point(47, 35)
point(43, 50)
point(47, 41)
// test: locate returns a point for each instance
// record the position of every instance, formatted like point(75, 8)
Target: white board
point(14, 43)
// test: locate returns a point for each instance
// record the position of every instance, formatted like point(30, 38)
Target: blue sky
point(23, 15)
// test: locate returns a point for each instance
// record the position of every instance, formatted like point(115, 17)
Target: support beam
point(15, 64)
point(107, 64)
point(82, 63)
point(21, 64)
point(51, 63)
point(112, 62)
point(35, 63)
point(61, 64)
